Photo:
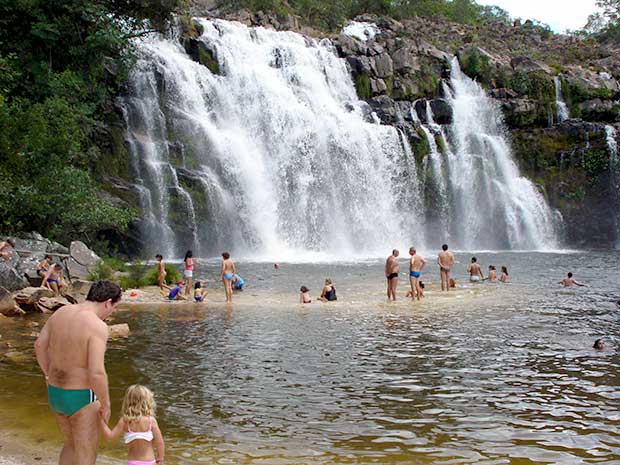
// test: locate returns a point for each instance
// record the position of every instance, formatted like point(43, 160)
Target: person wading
point(391, 273)
point(70, 351)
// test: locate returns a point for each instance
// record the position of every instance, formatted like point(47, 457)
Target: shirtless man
point(445, 260)
point(6, 249)
point(227, 274)
point(475, 272)
point(569, 281)
point(53, 279)
point(391, 273)
point(416, 263)
point(70, 351)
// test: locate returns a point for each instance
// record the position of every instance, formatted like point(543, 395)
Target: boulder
point(590, 79)
point(347, 45)
point(10, 278)
point(8, 306)
point(405, 60)
point(528, 65)
point(384, 108)
point(28, 297)
point(82, 261)
point(78, 289)
point(442, 111)
point(27, 266)
point(50, 304)
point(119, 330)
point(359, 64)
point(382, 65)
point(377, 86)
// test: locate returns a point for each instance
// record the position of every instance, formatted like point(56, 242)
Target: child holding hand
point(139, 427)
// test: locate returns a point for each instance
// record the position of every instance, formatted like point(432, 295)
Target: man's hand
point(105, 413)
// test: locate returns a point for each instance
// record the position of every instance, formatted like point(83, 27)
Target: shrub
point(172, 275)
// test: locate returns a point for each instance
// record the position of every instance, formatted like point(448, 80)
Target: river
point(491, 373)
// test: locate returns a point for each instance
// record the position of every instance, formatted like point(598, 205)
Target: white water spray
point(562, 109)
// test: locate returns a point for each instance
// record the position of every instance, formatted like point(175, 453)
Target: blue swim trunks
point(414, 274)
point(228, 276)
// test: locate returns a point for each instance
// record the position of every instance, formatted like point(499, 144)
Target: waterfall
point(614, 178)
point(493, 206)
point(562, 109)
point(278, 156)
point(275, 156)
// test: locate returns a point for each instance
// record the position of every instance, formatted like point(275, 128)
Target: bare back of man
point(70, 351)
point(445, 259)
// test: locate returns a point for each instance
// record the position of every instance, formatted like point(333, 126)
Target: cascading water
point(276, 157)
point(614, 176)
point(276, 153)
point(493, 206)
point(562, 109)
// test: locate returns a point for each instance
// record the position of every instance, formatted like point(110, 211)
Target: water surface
point(489, 374)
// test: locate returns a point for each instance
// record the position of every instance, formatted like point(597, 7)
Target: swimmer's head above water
point(598, 344)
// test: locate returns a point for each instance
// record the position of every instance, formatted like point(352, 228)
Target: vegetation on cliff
point(61, 62)
point(331, 15)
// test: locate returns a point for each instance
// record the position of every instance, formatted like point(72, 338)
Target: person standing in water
point(161, 274)
point(569, 281)
point(474, 270)
point(391, 273)
point(416, 263)
point(70, 352)
point(227, 273)
point(445, 260)
point(188, 271)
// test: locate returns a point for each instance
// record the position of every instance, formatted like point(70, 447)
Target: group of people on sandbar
point(445, 261)
point(228, 275)
point(328, 293)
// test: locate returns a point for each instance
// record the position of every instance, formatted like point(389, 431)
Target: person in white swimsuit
point(140, 428)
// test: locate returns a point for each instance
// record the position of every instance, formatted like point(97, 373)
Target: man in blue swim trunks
point(70, 351)
point(416, 263)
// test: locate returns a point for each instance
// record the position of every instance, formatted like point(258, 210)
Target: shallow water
point(491, 373)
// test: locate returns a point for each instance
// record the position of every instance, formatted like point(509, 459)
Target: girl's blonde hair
point(138, 402)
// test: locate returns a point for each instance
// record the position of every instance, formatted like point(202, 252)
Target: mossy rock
point(362, 86)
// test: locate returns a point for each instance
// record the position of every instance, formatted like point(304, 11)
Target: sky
point(558, 14)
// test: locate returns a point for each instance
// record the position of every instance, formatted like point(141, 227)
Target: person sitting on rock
point(53, 279)
point(43, 266)
point(176, 292)
point(6, 249)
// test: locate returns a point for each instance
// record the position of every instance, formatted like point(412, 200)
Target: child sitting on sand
point(140, 428)
point(304, 296)
point(200, 293)
point(175, 292)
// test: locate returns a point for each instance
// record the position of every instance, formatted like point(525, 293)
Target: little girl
point(304, 296)
point(200, 293)
point(140, 428)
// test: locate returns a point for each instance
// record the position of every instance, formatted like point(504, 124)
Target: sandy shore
point(15, 449)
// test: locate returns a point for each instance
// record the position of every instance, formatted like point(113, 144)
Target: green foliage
point(331, 15)
point(476, 65)
point(172, 275)
point(362, 85)
point(536, 85)
point(55, 93)
point(102, 272)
